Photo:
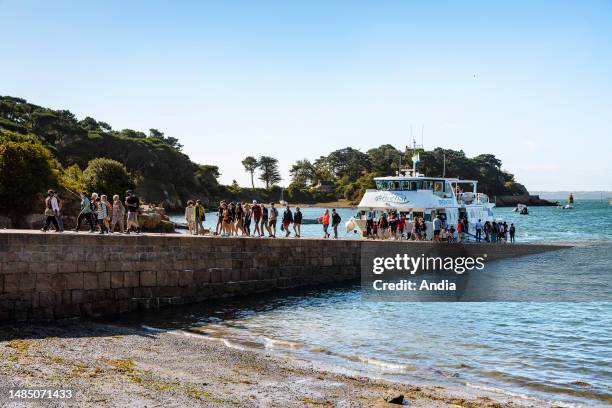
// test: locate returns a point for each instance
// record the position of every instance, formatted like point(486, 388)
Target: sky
point(527, 81)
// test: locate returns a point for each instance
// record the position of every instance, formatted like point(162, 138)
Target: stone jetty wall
point(48, 276)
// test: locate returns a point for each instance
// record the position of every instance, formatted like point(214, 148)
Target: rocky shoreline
point(107, 365)
point(526, 199)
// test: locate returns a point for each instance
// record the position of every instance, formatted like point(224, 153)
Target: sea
point(558, 352)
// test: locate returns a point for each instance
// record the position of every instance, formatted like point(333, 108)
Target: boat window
point(415, 185)
point(385, 185)
point(378, 185)
point(405, 185)
point(438, 186)
point(427, 185)
point(395, 185)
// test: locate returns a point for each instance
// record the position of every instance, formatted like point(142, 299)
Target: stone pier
point(50, 275)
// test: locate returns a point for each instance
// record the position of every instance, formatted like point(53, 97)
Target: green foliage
point(26, 170)
point(269, 171)
point(72, 178)
point(250, 165)
point(155, 161)
point(106, 176)
point(303, 173)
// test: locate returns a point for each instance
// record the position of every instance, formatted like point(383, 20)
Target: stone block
point(104, 280)
point(27, 282)
point(116, 280)
point(44, 282)
point(131, 279)
point(148, 278)
point(74, 280)
point(90, 280)
point(185, 277)
point(201, 276)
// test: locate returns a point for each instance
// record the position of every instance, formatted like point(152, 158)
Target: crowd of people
point(255, 220)
point(258, 219)
point(97, 212)
point(391, 225)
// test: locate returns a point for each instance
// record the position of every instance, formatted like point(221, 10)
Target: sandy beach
point(108, 365)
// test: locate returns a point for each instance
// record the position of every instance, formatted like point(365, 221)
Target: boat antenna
point(422, 132)
point(444, 165)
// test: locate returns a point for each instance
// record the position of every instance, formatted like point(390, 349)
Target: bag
point(49, 212)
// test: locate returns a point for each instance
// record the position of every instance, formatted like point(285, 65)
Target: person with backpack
point(200, 217)
point(102, 213)
point(85, 213)
point(273, 215)
point(132, 203)
point(239, 217)
point(264, 221)
point(256, 216)
point(50, 214)
point(335, 222)
point(56, 203)
point(287, 220)
point(297, 222)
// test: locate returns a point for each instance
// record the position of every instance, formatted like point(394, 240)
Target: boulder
point(394, 397)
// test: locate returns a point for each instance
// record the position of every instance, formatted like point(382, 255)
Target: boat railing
point(470, 198)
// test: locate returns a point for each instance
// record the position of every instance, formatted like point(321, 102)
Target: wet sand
point(109, 366)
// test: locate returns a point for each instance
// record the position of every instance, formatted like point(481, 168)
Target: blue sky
point(527, 81)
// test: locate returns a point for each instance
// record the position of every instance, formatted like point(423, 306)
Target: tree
point(26, 169)
point(158, 136)
point(250, 165)
point(303, 172)
point(269, 171)
point(345, 162)
point(106, 176)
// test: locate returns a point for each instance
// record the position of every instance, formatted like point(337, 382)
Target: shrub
point(26, 169)
point(106, 176)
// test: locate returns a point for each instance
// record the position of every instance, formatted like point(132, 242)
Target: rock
point(527, 199)
point(394, 397)
point(149, 221)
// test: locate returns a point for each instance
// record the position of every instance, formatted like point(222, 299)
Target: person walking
point(109, 211)
point(117, 214)
point(56, 203)
point(102, 213)
point(256, 215)
point(273, 215)
point(85, 213)
point(297, 222)
point(239, 216)
point(200, 217)
point(512, 232)
point(287, 220)
point(132, 204)
point(437, 227)
point(190, 217)
point(325, 221)
point(220, 209)
point(479, 230)
point(50, 214)
point(336, 219)
point(264, 221)
point(248, 214)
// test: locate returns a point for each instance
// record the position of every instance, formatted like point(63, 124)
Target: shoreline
point(108, 365)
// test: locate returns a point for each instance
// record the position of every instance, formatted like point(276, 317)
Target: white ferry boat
point(416, 195)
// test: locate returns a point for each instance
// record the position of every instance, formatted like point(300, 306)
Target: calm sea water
point(559, 352)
